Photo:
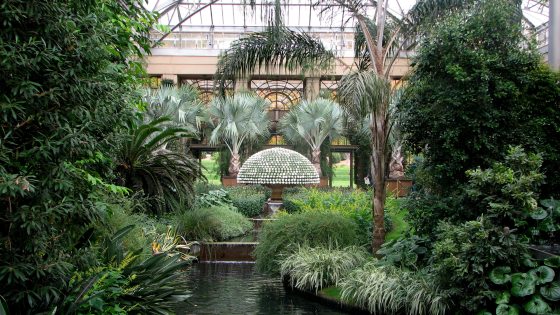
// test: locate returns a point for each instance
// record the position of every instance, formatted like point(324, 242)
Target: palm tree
point(384, 36)
point(367, 92)
point(313, 122)
point(168, 177)
point(182, 105)
point(238, 118)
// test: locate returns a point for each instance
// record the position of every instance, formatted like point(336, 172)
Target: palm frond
point(364, 92)
point(312, 122)
point(275, 47)
point(166, 176)
point(243, 116)
point(181, 105)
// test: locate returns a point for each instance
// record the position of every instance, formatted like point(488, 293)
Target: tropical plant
point(280, 48)
point(536, 289)
point(126, 283)
point(281, 237)
point(314, 268)
point(313, 122)
point(464, 255)
point(182, 105)
point(215, 223)
point(389, 290)
point(367, 92)
point(237, 119)
point(144, 165)
point(67, 75)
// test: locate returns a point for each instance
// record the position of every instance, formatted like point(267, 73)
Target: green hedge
point(249, 200)
point(216, 223)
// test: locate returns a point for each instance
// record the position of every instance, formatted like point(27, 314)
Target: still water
point(237, 289)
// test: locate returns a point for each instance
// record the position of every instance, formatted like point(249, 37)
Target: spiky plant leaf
point(165, 176)
point(277, 46)
point(553, 262)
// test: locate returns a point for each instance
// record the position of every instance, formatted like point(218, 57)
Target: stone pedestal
point(229, 181)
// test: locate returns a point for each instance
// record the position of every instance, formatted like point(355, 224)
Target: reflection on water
point(237, 289)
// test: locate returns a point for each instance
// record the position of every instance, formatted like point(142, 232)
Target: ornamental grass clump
point(314, 268)
point(281, 237)
point(390, 290)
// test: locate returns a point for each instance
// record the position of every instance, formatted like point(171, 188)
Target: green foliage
point(276, 46)
point(182, 105)
point(314, 268)
point(533, 288)
point(406, 252)
point(479, 87)
point(249, 200)
point(464, 256)
point(145, 165)
point(238, 120)
point(353, 204)
point(507, 192)
point(281, 237)
point(214, 223)
point(389, 290)
point(67, 70)
point(212, 198)
point(126, 283)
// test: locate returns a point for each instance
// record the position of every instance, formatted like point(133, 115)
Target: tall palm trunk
point(379, 164)
point(234, 164)
point(316, 160)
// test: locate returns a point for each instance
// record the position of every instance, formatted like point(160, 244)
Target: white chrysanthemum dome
point(277, 166)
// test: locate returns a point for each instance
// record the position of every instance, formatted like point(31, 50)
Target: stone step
point(227, 251)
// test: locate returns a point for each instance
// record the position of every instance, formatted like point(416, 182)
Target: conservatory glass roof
point(232, 18)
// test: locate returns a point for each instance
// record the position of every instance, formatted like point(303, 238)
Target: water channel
point(232, 288)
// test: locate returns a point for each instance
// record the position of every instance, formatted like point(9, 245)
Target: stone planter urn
point(277, 168)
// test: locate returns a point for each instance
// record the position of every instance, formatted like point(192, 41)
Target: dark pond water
point(237, 289)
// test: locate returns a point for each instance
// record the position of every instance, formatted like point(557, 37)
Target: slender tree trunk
point(234, 164)
point(316, 160)
point(379, 192)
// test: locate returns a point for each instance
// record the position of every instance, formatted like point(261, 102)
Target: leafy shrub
point(67, 73)
point(475, 107)
point(203, 187)
point(464, 255)
point(281, 237)
point(214, 223)
point(389, 290)
point(406, 252)
point(218, 197)
point(507, 193)
point(127, 283)
point(313, 268)
point(249, 200)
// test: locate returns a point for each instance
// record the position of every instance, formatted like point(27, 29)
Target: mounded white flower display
point(277, 166)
